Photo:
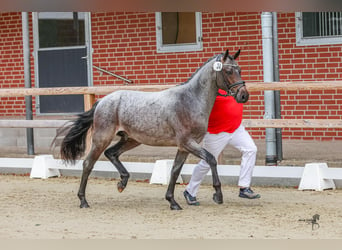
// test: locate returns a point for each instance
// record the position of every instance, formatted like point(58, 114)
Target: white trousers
point(215, 143)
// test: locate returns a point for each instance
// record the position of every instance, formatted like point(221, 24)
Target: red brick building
point(127, 44)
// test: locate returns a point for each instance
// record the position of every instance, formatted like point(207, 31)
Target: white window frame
point(161, 48)
point(303, 41)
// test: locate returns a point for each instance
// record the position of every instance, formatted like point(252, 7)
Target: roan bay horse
point(177, 117)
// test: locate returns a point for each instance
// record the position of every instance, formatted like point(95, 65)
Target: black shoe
point(189, 199)
point(248, 193)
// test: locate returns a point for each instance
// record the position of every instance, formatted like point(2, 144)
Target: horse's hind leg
point(176, 169)
point(88, 166)
point(113, 154)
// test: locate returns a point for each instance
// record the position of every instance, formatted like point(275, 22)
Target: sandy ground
point(49, 209)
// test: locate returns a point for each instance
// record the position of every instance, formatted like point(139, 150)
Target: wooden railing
point(90, 92)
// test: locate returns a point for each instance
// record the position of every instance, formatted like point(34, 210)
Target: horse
point(177, 116)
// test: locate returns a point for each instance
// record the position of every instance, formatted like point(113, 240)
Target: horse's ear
point(237, 54)
point(225, 55)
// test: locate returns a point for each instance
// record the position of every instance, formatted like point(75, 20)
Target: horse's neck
point(204, 85)
point(205, 82)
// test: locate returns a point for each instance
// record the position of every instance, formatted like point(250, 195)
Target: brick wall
point(125, 44)
point(11, 62)
point(308, 63)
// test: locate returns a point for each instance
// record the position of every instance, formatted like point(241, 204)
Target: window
point(62, 53)
point(178, 31)
point(316, 28)
point(61, 29)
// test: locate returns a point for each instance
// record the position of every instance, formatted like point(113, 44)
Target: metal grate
point(322, 24)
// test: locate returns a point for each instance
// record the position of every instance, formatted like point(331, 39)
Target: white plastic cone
point(43, 167)
point(161, 173)
point(313, 178)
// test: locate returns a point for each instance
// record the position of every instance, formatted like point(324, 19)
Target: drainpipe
point(277, 104)
point(27, 78)
point(266, 23)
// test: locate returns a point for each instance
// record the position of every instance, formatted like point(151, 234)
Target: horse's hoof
point(84, 205)
point(120, 187)
point(176, 207)
point(218, 198)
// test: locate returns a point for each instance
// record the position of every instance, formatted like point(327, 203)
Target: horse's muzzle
point(242, 96)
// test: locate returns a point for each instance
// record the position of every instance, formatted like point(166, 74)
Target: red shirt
point(226, 115)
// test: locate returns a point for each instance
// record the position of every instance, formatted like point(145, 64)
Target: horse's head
point(230, 79)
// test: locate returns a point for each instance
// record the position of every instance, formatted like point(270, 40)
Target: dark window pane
point(62, 68)
point(61, 32)
point(178, 27)
point(322, 24)
point(310, 24)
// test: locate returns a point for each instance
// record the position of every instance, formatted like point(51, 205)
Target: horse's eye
point(229, 71)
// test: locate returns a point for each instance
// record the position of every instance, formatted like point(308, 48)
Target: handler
point(224, 129)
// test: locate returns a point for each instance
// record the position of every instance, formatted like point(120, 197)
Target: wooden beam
point(78, 90)
point(89, 100)
point(32, 123)
point(103, 90)
point(292, 123)
point(309, 85)
point(248, 123)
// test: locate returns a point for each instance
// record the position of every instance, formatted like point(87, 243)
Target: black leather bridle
point(240, 83)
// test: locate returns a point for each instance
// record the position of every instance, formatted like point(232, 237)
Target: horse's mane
point(192, 76)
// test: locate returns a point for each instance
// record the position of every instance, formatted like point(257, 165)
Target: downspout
point(278, 131)
point(27, 79)
point(266, 23)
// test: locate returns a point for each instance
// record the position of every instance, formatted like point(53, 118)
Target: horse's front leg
point(217, 197)
point(176, 169)
point(202, 153)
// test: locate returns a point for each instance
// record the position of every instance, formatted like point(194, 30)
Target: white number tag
point(217, 66)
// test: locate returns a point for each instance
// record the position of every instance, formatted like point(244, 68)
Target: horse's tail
point(74, 143)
